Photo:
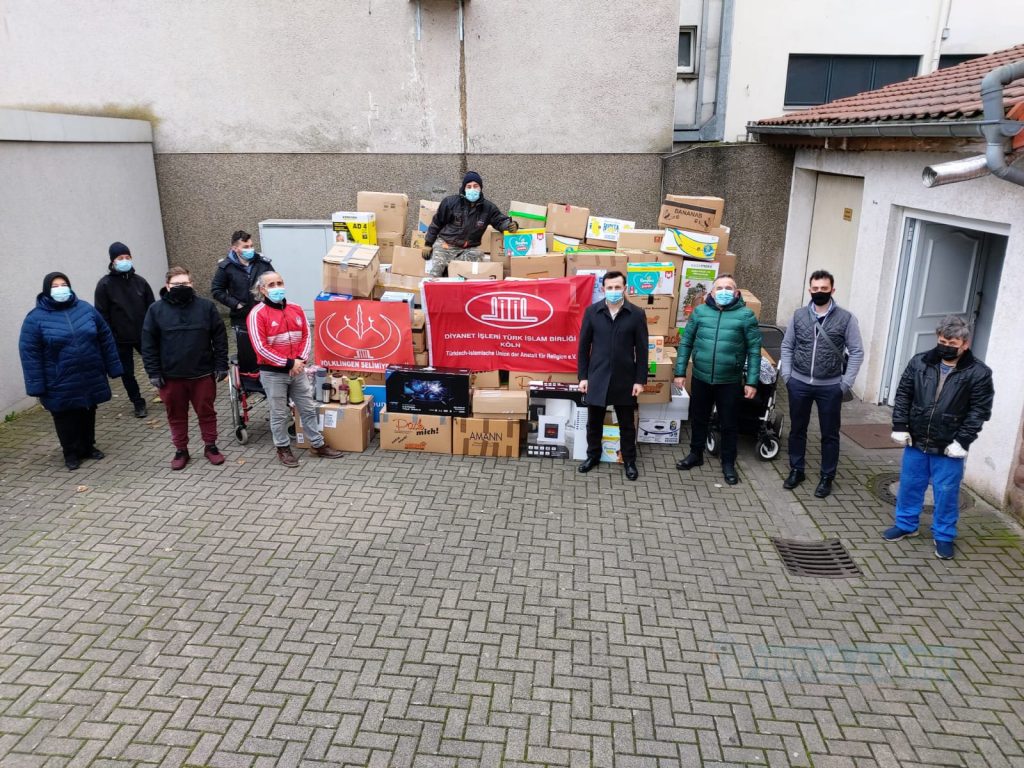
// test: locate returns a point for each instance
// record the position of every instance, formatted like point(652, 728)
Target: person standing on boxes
point(612, 368)
point(280, 335)
point(815, 370)
point(722, 335)
point(122, 296)
point(459, 225)
point(233, 285)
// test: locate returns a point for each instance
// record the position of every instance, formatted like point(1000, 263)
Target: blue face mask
point(276, 295)
point(723, 297)
point(123, 265)
point(60, 293)
point(248, 254)
point(472, 195)
point(613, 296)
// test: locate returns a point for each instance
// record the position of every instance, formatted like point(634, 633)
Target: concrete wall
point(70, 188)
point(754, 180)
point(328, 76)
point(892, 188)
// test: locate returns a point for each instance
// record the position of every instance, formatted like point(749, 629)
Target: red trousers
point(201, 393)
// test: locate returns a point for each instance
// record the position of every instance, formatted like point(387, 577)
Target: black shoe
point(96, 454)
point(632, 473)
point(796, 476)
point(72, 463)
point(140, 410)
point(588, 465)
point(824, 487)
point(692, 460)
point(729, 473)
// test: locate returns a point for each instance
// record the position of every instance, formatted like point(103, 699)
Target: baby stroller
point(245, 392)
point(758, 416)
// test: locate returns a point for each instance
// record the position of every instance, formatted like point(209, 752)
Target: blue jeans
point(945, 475)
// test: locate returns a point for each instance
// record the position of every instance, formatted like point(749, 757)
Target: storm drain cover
point(828, 559)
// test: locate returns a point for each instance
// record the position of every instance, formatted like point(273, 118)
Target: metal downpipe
point(998, 134)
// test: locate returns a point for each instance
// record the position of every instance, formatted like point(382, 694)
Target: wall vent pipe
point(955, 170)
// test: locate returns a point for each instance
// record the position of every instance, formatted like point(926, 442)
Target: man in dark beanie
point(122, 298)
point(459, 225)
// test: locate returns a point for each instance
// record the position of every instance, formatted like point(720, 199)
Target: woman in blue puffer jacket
point(67, 353)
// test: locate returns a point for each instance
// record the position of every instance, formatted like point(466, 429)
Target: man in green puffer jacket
point(722, 335)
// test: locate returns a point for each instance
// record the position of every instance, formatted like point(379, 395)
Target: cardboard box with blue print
point(415, 432)
point(651, 278)
point(663, 423)
point(604, 230)
point(525, 242)
point(344, 427)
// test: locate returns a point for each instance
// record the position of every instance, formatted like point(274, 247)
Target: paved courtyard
point(394, 610)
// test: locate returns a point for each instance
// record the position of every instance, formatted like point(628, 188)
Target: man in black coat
point(234, 280)
point(122, 298)
point(612, 368)
point(459, 225)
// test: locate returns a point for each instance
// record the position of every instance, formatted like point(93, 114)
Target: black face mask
point(821, 298)
point(181, 293)
point(947, 352)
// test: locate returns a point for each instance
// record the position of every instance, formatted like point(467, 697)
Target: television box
point(528, 215)
point(699, 214)
point(568, 220)
point(651, 278)
point(486, 437)
point(476, 270)
point(604, 230)
point(390, 209)
point(525, 242)
point(440, 391)
point(354, 227)
point(499, 404)
point(351, 269)
point(415, 432)
point(663, 423)
point(344, 427)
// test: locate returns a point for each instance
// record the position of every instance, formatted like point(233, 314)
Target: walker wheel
point(242, 435)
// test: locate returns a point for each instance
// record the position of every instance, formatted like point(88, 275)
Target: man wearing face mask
point(816, 371)
point(233, 283)
point(122, 297)
point(459, 225)
point(943, 399)
point(722, 335)
point(612, 368)
point(185, 352)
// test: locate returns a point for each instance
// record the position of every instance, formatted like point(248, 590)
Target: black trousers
point(131, 386)
point(246, 354)
point(76, 431)
point(830, 405)
point(627, 431)
point(725, 397)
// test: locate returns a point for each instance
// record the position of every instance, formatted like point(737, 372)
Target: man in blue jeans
point(815, 369)
point(944, 397)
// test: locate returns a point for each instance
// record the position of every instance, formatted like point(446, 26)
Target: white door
point(946, 267)
point(834, 223)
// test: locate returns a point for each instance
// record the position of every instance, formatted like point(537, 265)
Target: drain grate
point(828, 559)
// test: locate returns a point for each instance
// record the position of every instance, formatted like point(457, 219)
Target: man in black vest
point(612, 367)
point(815, 369)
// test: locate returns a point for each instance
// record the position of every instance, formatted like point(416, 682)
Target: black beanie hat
point(472, 176)
point(48, 281)
point(119, 249)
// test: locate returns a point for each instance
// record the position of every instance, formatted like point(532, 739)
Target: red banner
point(362, 335)
point(519, 325)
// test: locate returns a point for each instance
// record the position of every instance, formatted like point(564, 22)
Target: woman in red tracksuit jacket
point(280, 336)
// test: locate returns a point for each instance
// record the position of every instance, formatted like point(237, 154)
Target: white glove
point(955, 451)
point(900, 438)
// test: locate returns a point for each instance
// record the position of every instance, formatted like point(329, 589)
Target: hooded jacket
point(461, 223)
point(122, 298)
point(67, 352)
point(721, 340)
point(183, 339)
point(233, 282)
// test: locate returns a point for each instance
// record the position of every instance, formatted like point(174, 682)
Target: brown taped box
point(485, 379)
point(752, 302)
point(656, 392)
point(387, 242)
point(521, 379)
point(415, 432)
point(640, 240)
point(389, 282)
point(568, 220)
point(476, 270)
point(699, 214)
point(658, 309)
point(345, 427)
point(664, 371)
point(535, 218)
point(352, 269)
point(609, 260)
point(486, 437)
point(500, 404)
point(419, 331)
point(422, 359)
point(408, 261)
point(548, 265)
point(391, 209)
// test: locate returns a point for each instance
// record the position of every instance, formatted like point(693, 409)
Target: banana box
point(563, 244)
point(354, 227)
point(525, 242)
point(702, 246)
point(651, 278)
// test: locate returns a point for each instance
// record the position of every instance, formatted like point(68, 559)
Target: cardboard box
point(354, 227)
point(408, 261)
point(391, 210)
point(427, 210)
point(522, 379)
point(387, 242)
point(697, 283)
point(557, 425)
point(663, 423)
point(563, 244)
point(568, 220)
point(698, 214)
point(422, 359)
point(404, 297)
point(416, 432)
point(476, 270)
point(663, 369)
point(752, 302)
point(485, 379)
point(419, 332)
point(528, 215)
point(386, 281)
point(701, 246)
point(352, 269)
point(655, 349)
point(726, 263)
point(656, 392)
point(658, 310)
point(525, 242)
point(598, 290)
point(604, 230)
point(548, 265)
point(440, 391)
point(499, 404)
point(651, 278)
point(418, 240)
point(486, 437)
point(640, 240)
point(605, 260)
point(344, 427)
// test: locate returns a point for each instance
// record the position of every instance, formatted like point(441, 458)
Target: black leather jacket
point(958, 413)
point(461, 223)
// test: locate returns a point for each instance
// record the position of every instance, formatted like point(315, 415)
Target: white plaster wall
point(61, 206)
point(892, 185)
point(347, 76)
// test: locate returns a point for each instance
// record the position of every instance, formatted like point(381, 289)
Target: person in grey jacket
point(815, 368)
